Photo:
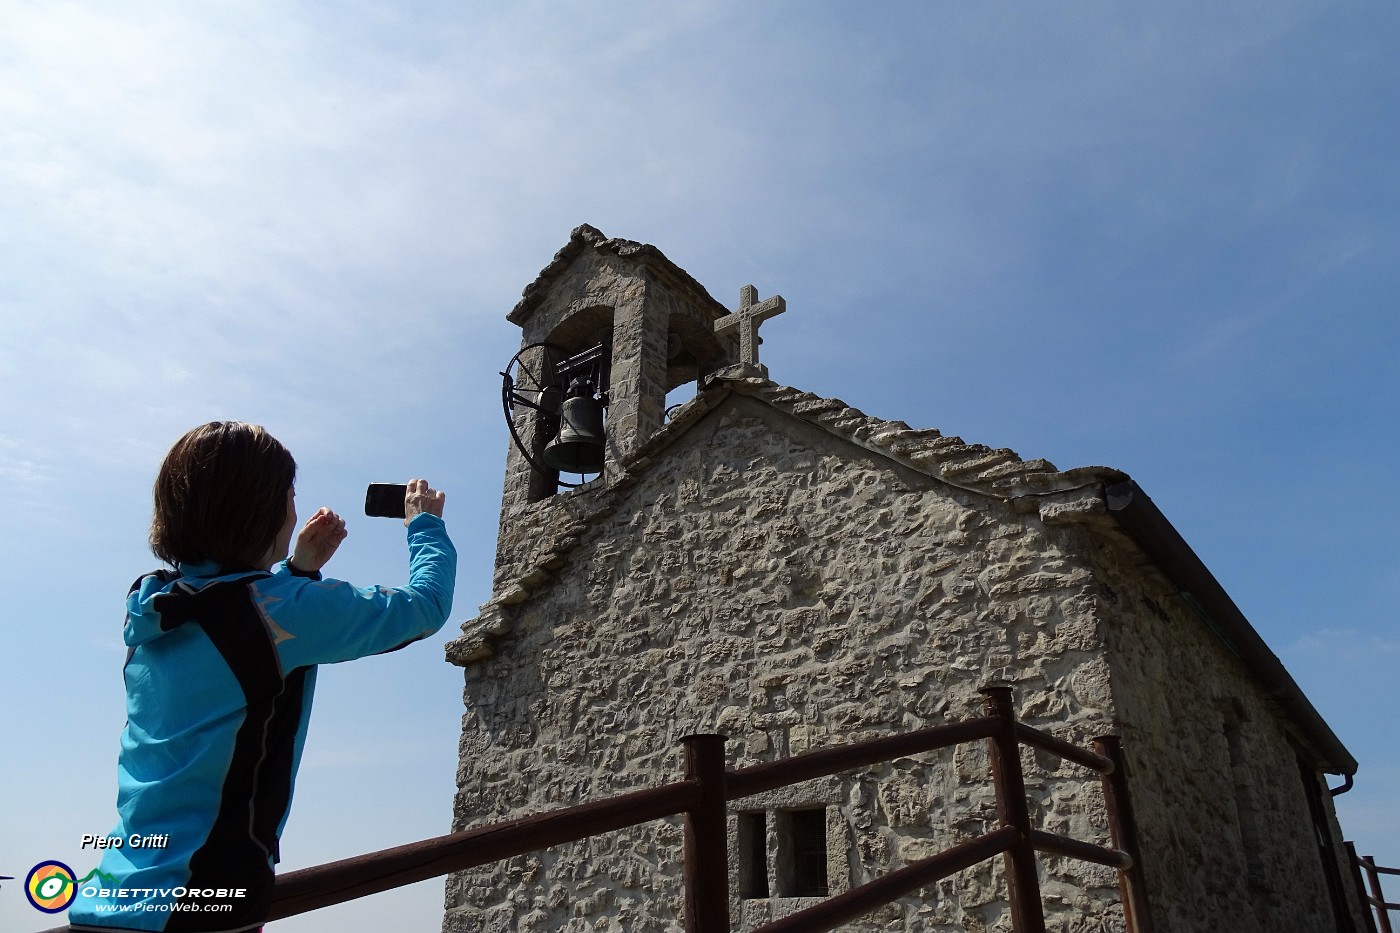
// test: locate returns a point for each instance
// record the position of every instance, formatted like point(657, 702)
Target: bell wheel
point(531, 398)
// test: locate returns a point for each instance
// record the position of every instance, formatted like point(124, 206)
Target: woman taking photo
point(221, 667)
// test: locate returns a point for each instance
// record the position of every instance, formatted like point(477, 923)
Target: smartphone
point(385, 500)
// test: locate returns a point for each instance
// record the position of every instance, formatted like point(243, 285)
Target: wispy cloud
point(19, 469)
point(1349, 645)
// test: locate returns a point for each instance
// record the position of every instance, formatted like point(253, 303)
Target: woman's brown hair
point(221, 495)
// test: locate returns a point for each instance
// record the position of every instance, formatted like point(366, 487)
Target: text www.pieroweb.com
point(180, 905)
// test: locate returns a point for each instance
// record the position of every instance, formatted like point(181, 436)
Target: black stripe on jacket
point(258, 784)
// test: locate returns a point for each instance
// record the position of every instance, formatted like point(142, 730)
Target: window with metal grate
point(802, 854)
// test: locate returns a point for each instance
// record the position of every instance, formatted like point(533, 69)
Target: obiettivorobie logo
point(51, 886)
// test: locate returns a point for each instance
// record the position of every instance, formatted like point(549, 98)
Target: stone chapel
point(792, 573)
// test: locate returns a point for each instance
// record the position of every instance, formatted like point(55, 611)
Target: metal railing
point(1378, 910)
point(701, 799)
point(1015, 839)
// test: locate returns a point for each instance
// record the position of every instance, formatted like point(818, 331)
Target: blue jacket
point(219, 676)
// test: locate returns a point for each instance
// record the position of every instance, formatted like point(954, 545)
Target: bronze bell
point(579, 446)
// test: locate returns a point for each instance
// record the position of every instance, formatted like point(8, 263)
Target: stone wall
point(1224, 820)
point(772, 582)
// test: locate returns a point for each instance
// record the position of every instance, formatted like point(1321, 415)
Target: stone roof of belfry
point(586, 236)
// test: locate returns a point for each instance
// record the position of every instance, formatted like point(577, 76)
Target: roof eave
point(1139, 517)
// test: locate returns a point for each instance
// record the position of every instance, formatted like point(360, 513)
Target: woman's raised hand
point(420, 497)
point(318, 540)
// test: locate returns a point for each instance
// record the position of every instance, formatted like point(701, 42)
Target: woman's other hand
point(421, 497)
point(318, 540)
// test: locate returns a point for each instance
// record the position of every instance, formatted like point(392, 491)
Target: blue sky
point(1163, 240)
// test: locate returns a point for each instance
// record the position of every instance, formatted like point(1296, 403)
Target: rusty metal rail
point(1380, 923)
point(702, 797)
point(1046, 742)
point(828, 761)
point(1016, 841)
point(860, 901)
point(307, 889)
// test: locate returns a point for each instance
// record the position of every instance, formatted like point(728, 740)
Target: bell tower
point(643, 325)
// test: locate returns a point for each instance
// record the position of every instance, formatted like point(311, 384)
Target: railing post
point(1122, 830)
point(1027, 911)
point(1374, 876)
point(706, 854)
point(1366, 910)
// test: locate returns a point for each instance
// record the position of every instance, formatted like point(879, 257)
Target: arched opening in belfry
point(692, 353)
point(581, 332)
point(584, 329)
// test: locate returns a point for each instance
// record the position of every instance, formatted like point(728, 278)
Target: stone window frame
point(768, 811)
point(790, 868)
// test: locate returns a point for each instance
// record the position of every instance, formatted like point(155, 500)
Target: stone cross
point(751, 313)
